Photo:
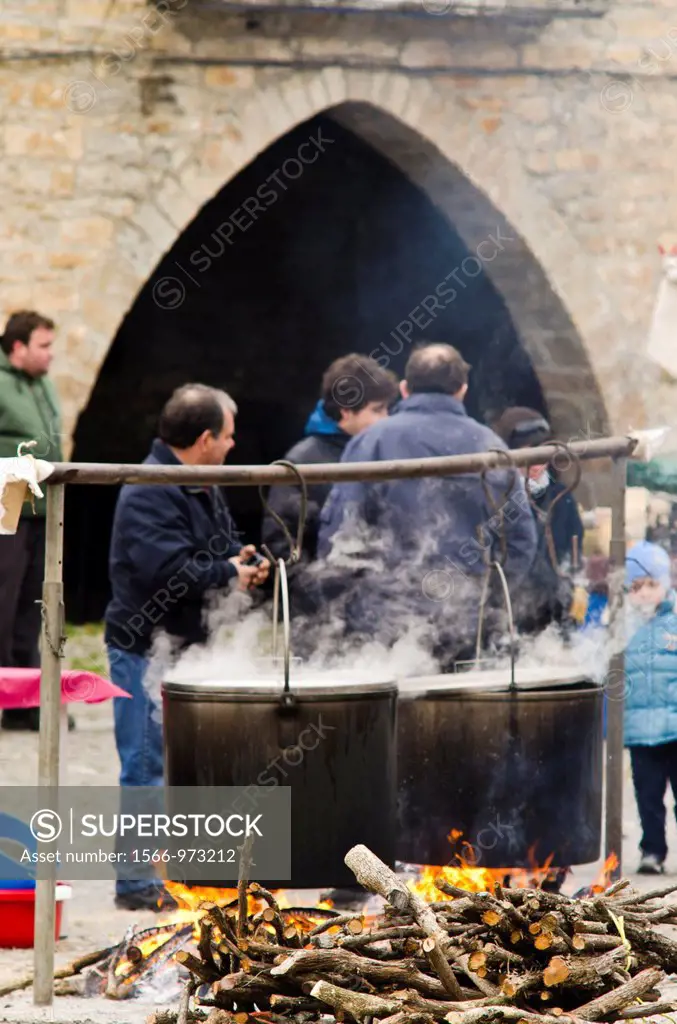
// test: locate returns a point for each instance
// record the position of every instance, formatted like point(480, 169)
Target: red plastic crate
point(17, 910)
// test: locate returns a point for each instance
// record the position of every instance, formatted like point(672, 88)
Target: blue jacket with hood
point(651, 679)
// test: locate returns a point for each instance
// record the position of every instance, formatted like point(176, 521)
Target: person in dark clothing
point(547, 595)
point(172, 546)
point(356, 392)
point(29, 410)
point(415, 550)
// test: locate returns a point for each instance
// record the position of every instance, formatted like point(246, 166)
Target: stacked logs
point(520, 955)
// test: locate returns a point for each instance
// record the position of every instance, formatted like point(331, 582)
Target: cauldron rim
point(271, 690)
point(434, 688)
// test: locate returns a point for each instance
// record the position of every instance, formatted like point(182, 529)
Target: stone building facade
point(551, 123)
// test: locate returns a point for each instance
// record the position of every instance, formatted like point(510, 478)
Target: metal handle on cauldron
point(281, 587)
point(511, 621)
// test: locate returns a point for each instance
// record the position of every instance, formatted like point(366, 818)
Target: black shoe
point(152, 898)
point(21, 719)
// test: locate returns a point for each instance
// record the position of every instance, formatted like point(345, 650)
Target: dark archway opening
point(333, 265)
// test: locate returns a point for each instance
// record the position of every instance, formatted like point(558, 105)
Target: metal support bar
point(531, 14)
point(50, 720)
point(617, 448)
point(335, 472)
point(615, 686)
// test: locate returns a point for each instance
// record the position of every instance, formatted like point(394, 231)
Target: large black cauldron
point(518, 772)
point(335, 748)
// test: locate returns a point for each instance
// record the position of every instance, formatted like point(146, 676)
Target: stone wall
point(119, 121)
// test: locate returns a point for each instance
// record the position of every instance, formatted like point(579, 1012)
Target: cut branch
point(377, 877)
point(621, 997)
point(357, 1004)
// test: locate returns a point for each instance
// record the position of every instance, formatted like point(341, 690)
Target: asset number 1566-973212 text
point(208, 856)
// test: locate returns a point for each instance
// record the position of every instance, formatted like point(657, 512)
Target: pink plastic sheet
point(20, 688)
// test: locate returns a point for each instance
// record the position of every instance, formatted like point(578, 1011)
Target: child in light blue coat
point(651, 694)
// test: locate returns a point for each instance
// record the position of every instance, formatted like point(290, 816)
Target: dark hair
point(522, 427)
point(436, 367)
point(190, 411)
point(20, 326)
point(354, 381)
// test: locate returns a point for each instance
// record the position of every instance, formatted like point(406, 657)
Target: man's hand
point(250, 576)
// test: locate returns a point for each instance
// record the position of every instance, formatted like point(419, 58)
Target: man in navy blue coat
point(414, 550)
point(172, 546)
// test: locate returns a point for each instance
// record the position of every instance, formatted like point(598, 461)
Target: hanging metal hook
point(545, 517)
point(295, 547)
point(511, 620)
point(497, 507)
point(282, 589)
point(497, 562)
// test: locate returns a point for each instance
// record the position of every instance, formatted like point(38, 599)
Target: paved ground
point(92, 920)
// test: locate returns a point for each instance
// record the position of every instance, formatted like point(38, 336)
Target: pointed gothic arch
point(506, 310)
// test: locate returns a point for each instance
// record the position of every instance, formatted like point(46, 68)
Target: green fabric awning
point(660, 474)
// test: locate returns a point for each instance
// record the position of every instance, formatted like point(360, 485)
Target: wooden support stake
point(615, 687)
point(50, 718)
point(244, 873)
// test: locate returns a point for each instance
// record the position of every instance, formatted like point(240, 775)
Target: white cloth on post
point(20, 477)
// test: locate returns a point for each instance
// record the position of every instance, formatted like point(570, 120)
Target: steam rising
point(240, 649)
point(340, 636)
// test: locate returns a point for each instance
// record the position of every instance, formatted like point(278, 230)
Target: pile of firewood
point(520, 955)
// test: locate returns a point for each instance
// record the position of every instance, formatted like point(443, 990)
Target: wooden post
point(615, 689)
point(50, 719)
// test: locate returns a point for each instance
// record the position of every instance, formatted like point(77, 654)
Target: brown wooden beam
point(394, 469)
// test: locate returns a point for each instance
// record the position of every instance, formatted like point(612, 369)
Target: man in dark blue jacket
point(414, 550)
point(171, 547)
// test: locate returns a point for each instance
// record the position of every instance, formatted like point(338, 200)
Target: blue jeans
point(138, 737)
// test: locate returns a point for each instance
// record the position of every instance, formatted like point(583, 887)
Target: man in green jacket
point(29, 411)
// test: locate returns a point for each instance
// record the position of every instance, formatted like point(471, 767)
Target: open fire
point(145, 963)
point(464, 873)
point(505, 954)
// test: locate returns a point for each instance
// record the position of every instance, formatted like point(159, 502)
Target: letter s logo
point(46, 826)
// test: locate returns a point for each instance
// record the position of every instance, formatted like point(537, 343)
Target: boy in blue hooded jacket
point(651, 695)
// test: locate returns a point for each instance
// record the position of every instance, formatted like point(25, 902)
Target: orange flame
point(191, 900)
point(192, 897)
point(605, 877)
point(466, 875)
point(190, 911)
point(146, 945)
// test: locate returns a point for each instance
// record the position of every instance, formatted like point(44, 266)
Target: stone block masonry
point(118, 121)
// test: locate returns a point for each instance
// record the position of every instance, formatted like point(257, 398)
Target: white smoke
point(587, 652)
point(405, 627)
point(240, 648)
